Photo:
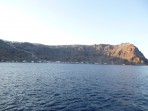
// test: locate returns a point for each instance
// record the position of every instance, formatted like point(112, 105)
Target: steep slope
point(123, 51)
point(10, 53)
point(129, 52)
point(102, 53)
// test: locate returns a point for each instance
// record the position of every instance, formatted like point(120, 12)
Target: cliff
point(124, 53)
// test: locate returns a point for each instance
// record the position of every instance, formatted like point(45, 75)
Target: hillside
point(124, 53)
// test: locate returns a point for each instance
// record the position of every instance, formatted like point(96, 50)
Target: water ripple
point(73, 87)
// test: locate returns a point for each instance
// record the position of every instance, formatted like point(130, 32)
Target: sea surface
point(73, 87)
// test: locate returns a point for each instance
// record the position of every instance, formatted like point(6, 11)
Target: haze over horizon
point(58, 22)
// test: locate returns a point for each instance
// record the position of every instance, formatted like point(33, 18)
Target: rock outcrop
point(124, 53)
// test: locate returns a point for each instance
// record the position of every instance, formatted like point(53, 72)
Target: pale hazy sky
point(55, 22)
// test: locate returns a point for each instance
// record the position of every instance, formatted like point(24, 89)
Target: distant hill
point(124, 53)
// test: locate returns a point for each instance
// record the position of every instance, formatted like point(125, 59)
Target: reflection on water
point(73, 87)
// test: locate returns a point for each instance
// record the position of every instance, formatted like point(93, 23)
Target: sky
point(58, 22)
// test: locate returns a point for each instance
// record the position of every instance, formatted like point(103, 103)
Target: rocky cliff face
point(124, 53)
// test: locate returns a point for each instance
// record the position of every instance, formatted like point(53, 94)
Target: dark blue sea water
point(73, 87)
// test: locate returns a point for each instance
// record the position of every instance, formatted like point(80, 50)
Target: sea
point(73, 87)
